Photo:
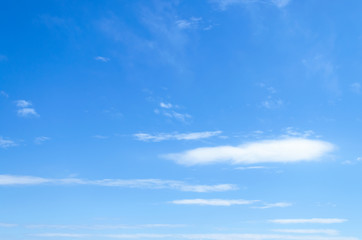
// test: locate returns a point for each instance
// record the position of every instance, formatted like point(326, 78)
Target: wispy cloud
point(207, 236)
point(274, 205)
point(5, 143)
point(165, 105)
point(102, 59)
point(27, 112)
point(214, 202)
point(22, 103)
point(251, 167)
point(175, 136)
point(192, 22)
point(225, 4)
point(356, 87)
point(8, 180)
point(104, 227)
point(269, 151)
point(309, 220)
point(24, 109)
point(8, 225)
point(4, 94)
point(308, 231)
point(40, 140)
point(167, 109)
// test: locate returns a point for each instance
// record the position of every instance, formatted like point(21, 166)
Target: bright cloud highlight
point(269, 151)
point(132, 183)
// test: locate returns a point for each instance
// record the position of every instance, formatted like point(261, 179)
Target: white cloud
point(272, 103)
point(131, 183)
point(103, 227)
point(308, 231)
point(4, 94)
point(21, 180)
point(273, 205)
point(40, 140)
point(188, 23)
point(102, 59)
point(175, 136)
point(269, 151)
point(178, 116)
point(225, 4)
point(214, 202)
point(26, 112)
point(165, 105)
point(356, 87)
point(252, 167)
point(7, 225)
point(5, 143)
point(209, 236)
point(22, 103)
point(310, 220)
point(62, 235)
point(281, 3)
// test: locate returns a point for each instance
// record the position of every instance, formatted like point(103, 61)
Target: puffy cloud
point(269, 151)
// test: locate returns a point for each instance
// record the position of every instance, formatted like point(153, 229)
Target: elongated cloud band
point(280, 150)
point(309, 220)
point(217, 236)
point(129, 183)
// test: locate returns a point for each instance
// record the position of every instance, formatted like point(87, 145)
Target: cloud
point(102, 59)
point(225, 4)
point(40, 140)
point(165, 105)
point(27, 112)
point(175, 136)
point(310, 220)
point(281, 3)
point(103, 227)
point(7, 225)
point(308, 231)
point(269, 151)
point(273, 205)
point(5, 143)
point(22, 103)
point(24, 109)
point(8, 180)
point(272, 103)
point(166, 110)
point(4, 94)
point(251, 167)
point(178, 116)
point(193, 22)
point(213, 202)
point(356, 87)
point(209, 236)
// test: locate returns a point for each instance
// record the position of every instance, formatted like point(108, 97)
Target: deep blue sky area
point(180, 119)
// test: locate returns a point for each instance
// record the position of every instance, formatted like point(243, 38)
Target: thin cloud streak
point(6, 143)
point(310, 220)
point(175, 136)
point(217, 236)
point(308, 231)
point(270, 151)
point(11, 180)
point(214, 202)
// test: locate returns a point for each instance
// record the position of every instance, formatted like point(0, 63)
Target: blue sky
point(208, 120)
